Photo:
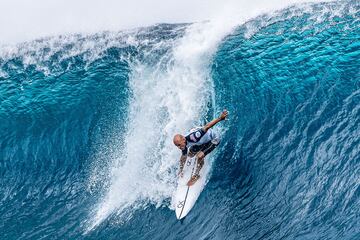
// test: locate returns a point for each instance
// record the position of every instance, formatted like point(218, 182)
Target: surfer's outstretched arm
point(216, 120)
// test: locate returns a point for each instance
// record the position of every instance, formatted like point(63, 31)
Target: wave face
point(87, 122)
point(291, 150)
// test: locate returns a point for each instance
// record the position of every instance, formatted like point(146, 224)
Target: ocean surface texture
point(86, 127)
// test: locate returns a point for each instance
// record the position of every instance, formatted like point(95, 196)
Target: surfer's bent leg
point(200, 162)
point(206, 149)
point(210, 147)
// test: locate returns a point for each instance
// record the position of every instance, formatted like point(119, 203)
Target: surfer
point(199, 142)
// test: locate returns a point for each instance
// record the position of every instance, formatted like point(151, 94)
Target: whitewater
point(87, 121)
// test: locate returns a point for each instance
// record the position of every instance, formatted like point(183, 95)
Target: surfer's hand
point(224, 114)
point(181, 174)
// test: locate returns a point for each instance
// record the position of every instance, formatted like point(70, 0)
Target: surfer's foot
point(193, 180)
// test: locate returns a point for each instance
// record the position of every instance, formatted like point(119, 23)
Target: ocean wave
point(87, 123)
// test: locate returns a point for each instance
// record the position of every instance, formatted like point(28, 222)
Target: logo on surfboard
point(181, 204)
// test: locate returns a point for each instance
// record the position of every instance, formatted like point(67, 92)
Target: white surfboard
point(185, 196)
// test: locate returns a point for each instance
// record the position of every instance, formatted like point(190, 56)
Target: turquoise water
point(87, 122)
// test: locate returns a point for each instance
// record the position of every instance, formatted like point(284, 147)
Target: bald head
point(179, 141)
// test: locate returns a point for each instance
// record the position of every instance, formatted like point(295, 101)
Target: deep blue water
point(85, 118)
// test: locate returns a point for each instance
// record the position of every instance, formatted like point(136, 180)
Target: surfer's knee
point(201, 161)
point(200, 155)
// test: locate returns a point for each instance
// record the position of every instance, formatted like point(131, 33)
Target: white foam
point(167, 98)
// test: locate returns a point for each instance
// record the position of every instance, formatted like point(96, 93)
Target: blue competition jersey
point(198, 136)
